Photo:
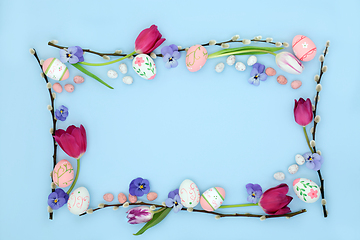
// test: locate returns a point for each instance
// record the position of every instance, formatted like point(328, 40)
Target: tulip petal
point(76, 133)
point(83, 133)
point(59, 132)
point(282, 211)
point(70, 129)
point(69, 145)
point(157, 44)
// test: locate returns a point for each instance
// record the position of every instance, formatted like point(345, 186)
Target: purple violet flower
point(72, 54)
point(254, 191)
point(170, 55)
point(313, 160)
point(57, 199)
point(139, 187)
point(174, 200)
point(62, 113)
point(139, 215)
point(257, 74)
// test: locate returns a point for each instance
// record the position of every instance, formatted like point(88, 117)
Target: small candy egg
point(212, 199)
point(78, 79)
point(230, 60)
point(112, 74)
point(300, 160)
point(144, 66)
point(132, 198)
point(63, 174)
point(151, 196)
point(57, 87)
point(69, 88)
point(122, 198)
point(123, 68)
point(296, 84)
point(108, 197)
point(196, 58)
point(281, 79)
point(55, 69)
point(189, 193)
point(306, 190)
point(128, 80)
point(240, 66)
point(293, 169)
point(219, 67)
point(79, 201)
point(304, 48)
point(270, 71)
point(251, 60)
point(279, 176)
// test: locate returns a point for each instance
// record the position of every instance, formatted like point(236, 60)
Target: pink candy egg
point(296, 84)
point(63, 174)
point(55, 69)
point(212, 199)
point(108, 197)
point(69, 88)
point(304, 48)
point(270, 71)
point(281, 79)
point(196, 58)
point(78, 79)
point(57, 87)
point(122, 198)
point(132, 198)
point(151, 196)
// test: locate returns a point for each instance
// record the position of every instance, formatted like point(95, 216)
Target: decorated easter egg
point(57, 87)
point(69, 88)
point(144, 66)
point(212, 199)
point(295, 85)
point(196, 58)
point(79, 201)
point(306, 190)
point(189, 193)
point(55, 69)
point(304, 48)
point(63, 174)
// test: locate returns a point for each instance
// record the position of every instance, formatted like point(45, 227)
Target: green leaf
point(158, 217)
point(247, 50)
point(82, 69)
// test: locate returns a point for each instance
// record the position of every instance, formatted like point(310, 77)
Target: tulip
point(303, 112)
point(72, 141)
point(139, 215)
point(274, 201)
point(289, 63)
point(148, 40)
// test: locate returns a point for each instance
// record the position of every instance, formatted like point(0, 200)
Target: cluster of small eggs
point(123, 69)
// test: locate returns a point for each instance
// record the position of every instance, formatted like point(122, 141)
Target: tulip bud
point(289, 63)
point(312, 143)
point(148, 40)
point(303, 112)
point(139, 215)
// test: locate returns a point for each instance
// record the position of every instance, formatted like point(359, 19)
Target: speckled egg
point(128, 80)
point(63, 174)
point(108, 197)
point(270, 71)
point(293, 169)
point(55, 69)
point(279, 176)
point(251, 60)
point(151, 196)
point(78, 79)
point(132, 198)
point(306, 190)
point(304, 48)
point(69, 88)
point(219, 67)
point(112, 74)
point(296, 84)
point(281, 79)
point(240, 66)
point(122, 198)
point(144, 66)
point(230, 60)
point(123, 68)
point(196, 58)
point(189, 193)
point(299, 159)
point(79, 201)
point(212, 199)
point(57, 87)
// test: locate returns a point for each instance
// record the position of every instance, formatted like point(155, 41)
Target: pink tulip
point(139, 215)
point(72, 141)
point(148, 40)
point(303, 112)
point(289, 63)
point(274, 201)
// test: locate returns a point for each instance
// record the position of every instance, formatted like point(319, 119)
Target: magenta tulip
point(72, 141)
point(148, 40)
point(139, 215)
point(303, 112)
point(274, 201)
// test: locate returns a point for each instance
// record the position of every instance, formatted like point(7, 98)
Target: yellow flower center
point(253, 194)
point(141, 186)
point(55, 201)
point(68, 55)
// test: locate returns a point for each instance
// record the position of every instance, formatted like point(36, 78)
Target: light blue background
point(215, 129)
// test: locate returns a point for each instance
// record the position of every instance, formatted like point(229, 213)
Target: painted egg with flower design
point(189, 193)
point(304, 48)
point(306, 190)
point(144, 66)
point(79, 201)
point(196, 58)
point(63, 174)
point(212, 199)
point(55, 69)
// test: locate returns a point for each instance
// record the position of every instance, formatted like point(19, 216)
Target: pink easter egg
point(122, 198)
point(57, 87)
point(78, 79)
point(296, 84)
point(270, 71)
point(55, 69)
point(63, 174)
point(69, 88)
point(304, 48)
point(281, 79)
point(151, 196)
point(132, 198)
point(196, 58)
point(108, 197)
point(212, 199)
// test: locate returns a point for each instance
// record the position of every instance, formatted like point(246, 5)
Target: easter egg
point(63, 174)
point(306, 190)
point(78, 79)
point(196, 58)
point(79, 201)
point(189, 193)
point(304, 48)
point(279, 176)
point(151, 196)
point(144, 66)
point(69, 88)
point(122, 198)
point(295, 85)
point(57, 87)
point(212, 199)
point(108, 197)
point(55, 69)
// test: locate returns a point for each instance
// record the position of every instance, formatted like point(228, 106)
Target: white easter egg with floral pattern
point(189, 193)
point(79, 201)
point(306, 190)
point(144, 66)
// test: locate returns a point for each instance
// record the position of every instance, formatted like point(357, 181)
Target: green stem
point(161, 209)
point(76, 177)
point(239, 205)
point(213, 55)
point(307, 139)
point(107, 63)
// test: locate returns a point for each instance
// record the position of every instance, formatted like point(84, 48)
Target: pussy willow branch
point(53, 120)
point(322, 190)
point(158, 55)
point(203, 211)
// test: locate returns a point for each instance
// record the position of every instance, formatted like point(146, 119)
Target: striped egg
point(212, 199)
point(55, 69)
point(304, 48)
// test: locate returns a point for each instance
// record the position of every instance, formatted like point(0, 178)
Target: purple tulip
point(139, 215)
point(289, 63)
